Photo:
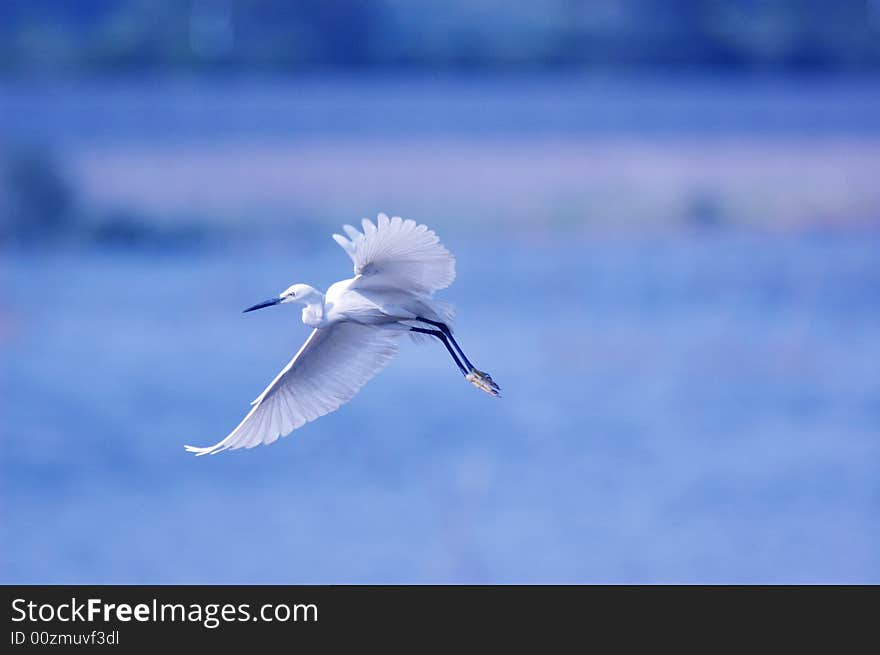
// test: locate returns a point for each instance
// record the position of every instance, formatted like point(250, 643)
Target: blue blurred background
point(665, 217)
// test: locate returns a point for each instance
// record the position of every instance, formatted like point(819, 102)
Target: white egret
point(398, 265)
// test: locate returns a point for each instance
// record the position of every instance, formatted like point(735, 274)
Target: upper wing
point(330, 368)
point(398, 254)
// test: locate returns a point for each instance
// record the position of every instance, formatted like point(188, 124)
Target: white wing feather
point(330, 368)
point(397, 254)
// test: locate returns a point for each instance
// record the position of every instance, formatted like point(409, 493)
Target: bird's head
point(301, 293)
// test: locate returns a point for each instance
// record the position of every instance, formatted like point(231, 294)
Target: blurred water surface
point(76, 111)
point(686, 400)
point(673, 411)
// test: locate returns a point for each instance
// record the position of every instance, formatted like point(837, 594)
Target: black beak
point(265, 303)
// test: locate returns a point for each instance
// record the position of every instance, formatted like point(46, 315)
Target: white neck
point(313, 312)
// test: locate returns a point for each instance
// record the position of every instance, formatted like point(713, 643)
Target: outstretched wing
point(330, 368)
point(397, 254)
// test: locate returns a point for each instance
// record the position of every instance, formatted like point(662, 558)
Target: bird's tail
point(445, 311)
point(438, 310)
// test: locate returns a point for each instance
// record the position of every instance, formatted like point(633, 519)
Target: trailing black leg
point(478, 378)
point(442, 336)
point(445, 329)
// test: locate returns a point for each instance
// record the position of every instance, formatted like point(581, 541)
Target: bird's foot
point(483, 381)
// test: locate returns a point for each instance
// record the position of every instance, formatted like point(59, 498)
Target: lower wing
point(330, 368)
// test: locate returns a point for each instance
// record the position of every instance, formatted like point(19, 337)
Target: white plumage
point(398, 254)
point(398, 265)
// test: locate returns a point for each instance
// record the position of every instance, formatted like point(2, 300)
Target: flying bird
point(358, 323)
